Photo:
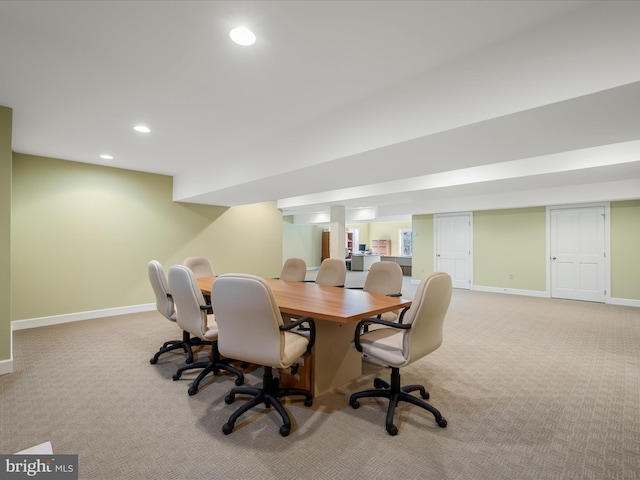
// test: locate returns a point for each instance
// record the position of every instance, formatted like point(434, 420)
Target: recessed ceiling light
point(242, 36)
point(142, 129)
point(106, 157)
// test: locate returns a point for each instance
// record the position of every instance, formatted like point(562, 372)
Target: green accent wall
point(625, 255)
point(301, 241)
point(509, 248)
point(6, 119)
point(423, 246)
point(83, 235)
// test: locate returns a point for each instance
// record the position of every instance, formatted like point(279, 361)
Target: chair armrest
point(368, 321)
point(404, 310)
point(297, 323)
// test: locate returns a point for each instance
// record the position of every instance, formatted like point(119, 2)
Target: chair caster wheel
point(188, 361)
point(308, 402)
point(153, 361)
point(392, 429)
point(442, 423)
point(192, 390)
point(176, 377)
point(239, 381)
point(229, 399)
point(284, 430)
point(378, 383)
point(355, 404)
point(227, 429)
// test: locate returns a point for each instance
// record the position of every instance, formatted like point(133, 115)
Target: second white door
point(453, 247)
point(578, 253)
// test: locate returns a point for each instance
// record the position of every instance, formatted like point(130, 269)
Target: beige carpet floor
point(532, 389)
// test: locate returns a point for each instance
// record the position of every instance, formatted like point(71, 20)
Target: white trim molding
point(626, 302)
point(6, 366)
point(510, 291)
point(76, 317)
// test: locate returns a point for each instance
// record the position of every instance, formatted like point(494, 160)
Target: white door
point(578, 253)
point(453, 248)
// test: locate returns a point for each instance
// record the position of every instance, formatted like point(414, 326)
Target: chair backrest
point(294, 270)
point(188, 299)
point(200, 266)
point(426, 316)
point(384, 278)
point(332, 273)
point(248, 320)
point(164, 301)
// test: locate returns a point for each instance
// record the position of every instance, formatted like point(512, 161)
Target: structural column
point(337, 243)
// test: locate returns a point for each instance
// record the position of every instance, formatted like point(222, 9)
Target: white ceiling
point(407, 106)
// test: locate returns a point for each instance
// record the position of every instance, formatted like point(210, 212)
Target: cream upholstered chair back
point(164, 301)
point(332, 273)
point(384, 278)
point(249, 322)
point(426, 316)
point(188, 299)
point(294, 270)
point(200, 266)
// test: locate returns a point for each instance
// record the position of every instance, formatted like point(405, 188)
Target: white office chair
point(192, 317)
point(294, 270)
point(417, 333)
point(332, 273)
point(200, 266)
point(385, 278)
point(165, 305)
point(251, 329)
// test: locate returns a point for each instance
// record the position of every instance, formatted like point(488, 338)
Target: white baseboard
point(511, 291)
point(625, 302)
point(6, 366)
point(536, 293)
point(75, 317)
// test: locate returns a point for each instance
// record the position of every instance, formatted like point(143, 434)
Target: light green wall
point(422, 260)
point(509, 248)
point(625, 256)
point(512, 242)
point(5, 233)
point(83, 235)
point(302, 241)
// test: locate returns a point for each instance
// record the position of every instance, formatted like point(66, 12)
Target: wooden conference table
point(336, 311)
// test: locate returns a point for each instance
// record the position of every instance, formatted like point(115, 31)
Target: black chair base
point(396, 393)
point(185, 344)
point(269, 395)
point(213, 365)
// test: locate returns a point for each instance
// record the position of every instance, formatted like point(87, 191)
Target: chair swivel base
point(207, 368)
point(185, 344)
point(269, 394)
point(396, 393)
